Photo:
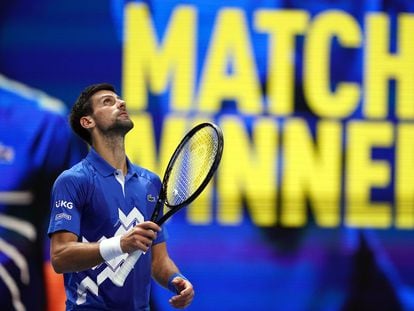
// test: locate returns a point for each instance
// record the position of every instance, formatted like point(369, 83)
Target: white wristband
point(111, 248)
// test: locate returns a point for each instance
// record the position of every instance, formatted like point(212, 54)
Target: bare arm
point(162, 265)
point(69, 255)
point(163, 268)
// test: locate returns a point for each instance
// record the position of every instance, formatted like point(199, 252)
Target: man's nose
point(121, 103)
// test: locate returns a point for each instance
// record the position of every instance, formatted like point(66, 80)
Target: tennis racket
point(188, 172)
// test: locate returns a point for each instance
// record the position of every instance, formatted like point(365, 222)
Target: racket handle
point(125, 269)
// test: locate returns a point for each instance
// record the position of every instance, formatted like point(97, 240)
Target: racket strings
point(192, 166)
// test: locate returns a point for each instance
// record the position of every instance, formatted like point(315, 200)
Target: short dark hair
point(83, 107)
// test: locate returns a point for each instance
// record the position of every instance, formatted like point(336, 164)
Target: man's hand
point(140, 237)
point(185, 294)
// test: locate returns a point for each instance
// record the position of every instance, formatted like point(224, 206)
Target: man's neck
point(112, 149)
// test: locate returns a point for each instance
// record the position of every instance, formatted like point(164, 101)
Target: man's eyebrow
point(109, 95)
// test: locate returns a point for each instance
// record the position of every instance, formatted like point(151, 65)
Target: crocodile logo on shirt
point(151, 198)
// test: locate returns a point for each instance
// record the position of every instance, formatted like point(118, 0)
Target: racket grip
point(125, 269)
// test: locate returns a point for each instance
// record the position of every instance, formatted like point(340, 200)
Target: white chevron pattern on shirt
point(126, 223)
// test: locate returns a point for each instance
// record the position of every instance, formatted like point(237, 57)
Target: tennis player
point(98, 213)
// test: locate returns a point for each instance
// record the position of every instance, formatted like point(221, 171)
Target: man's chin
point(128, 126)
point(123, 126)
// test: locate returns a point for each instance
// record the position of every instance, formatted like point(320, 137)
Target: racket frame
point(162, 195)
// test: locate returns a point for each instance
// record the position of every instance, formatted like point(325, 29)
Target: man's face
point(110, 114)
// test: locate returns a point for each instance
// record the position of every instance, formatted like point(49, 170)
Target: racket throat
point(158, 208)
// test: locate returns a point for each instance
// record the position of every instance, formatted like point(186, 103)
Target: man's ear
point(87, 122)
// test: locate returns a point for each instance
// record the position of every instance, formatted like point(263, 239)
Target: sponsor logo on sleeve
point(63, 216)
point(64, 204)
